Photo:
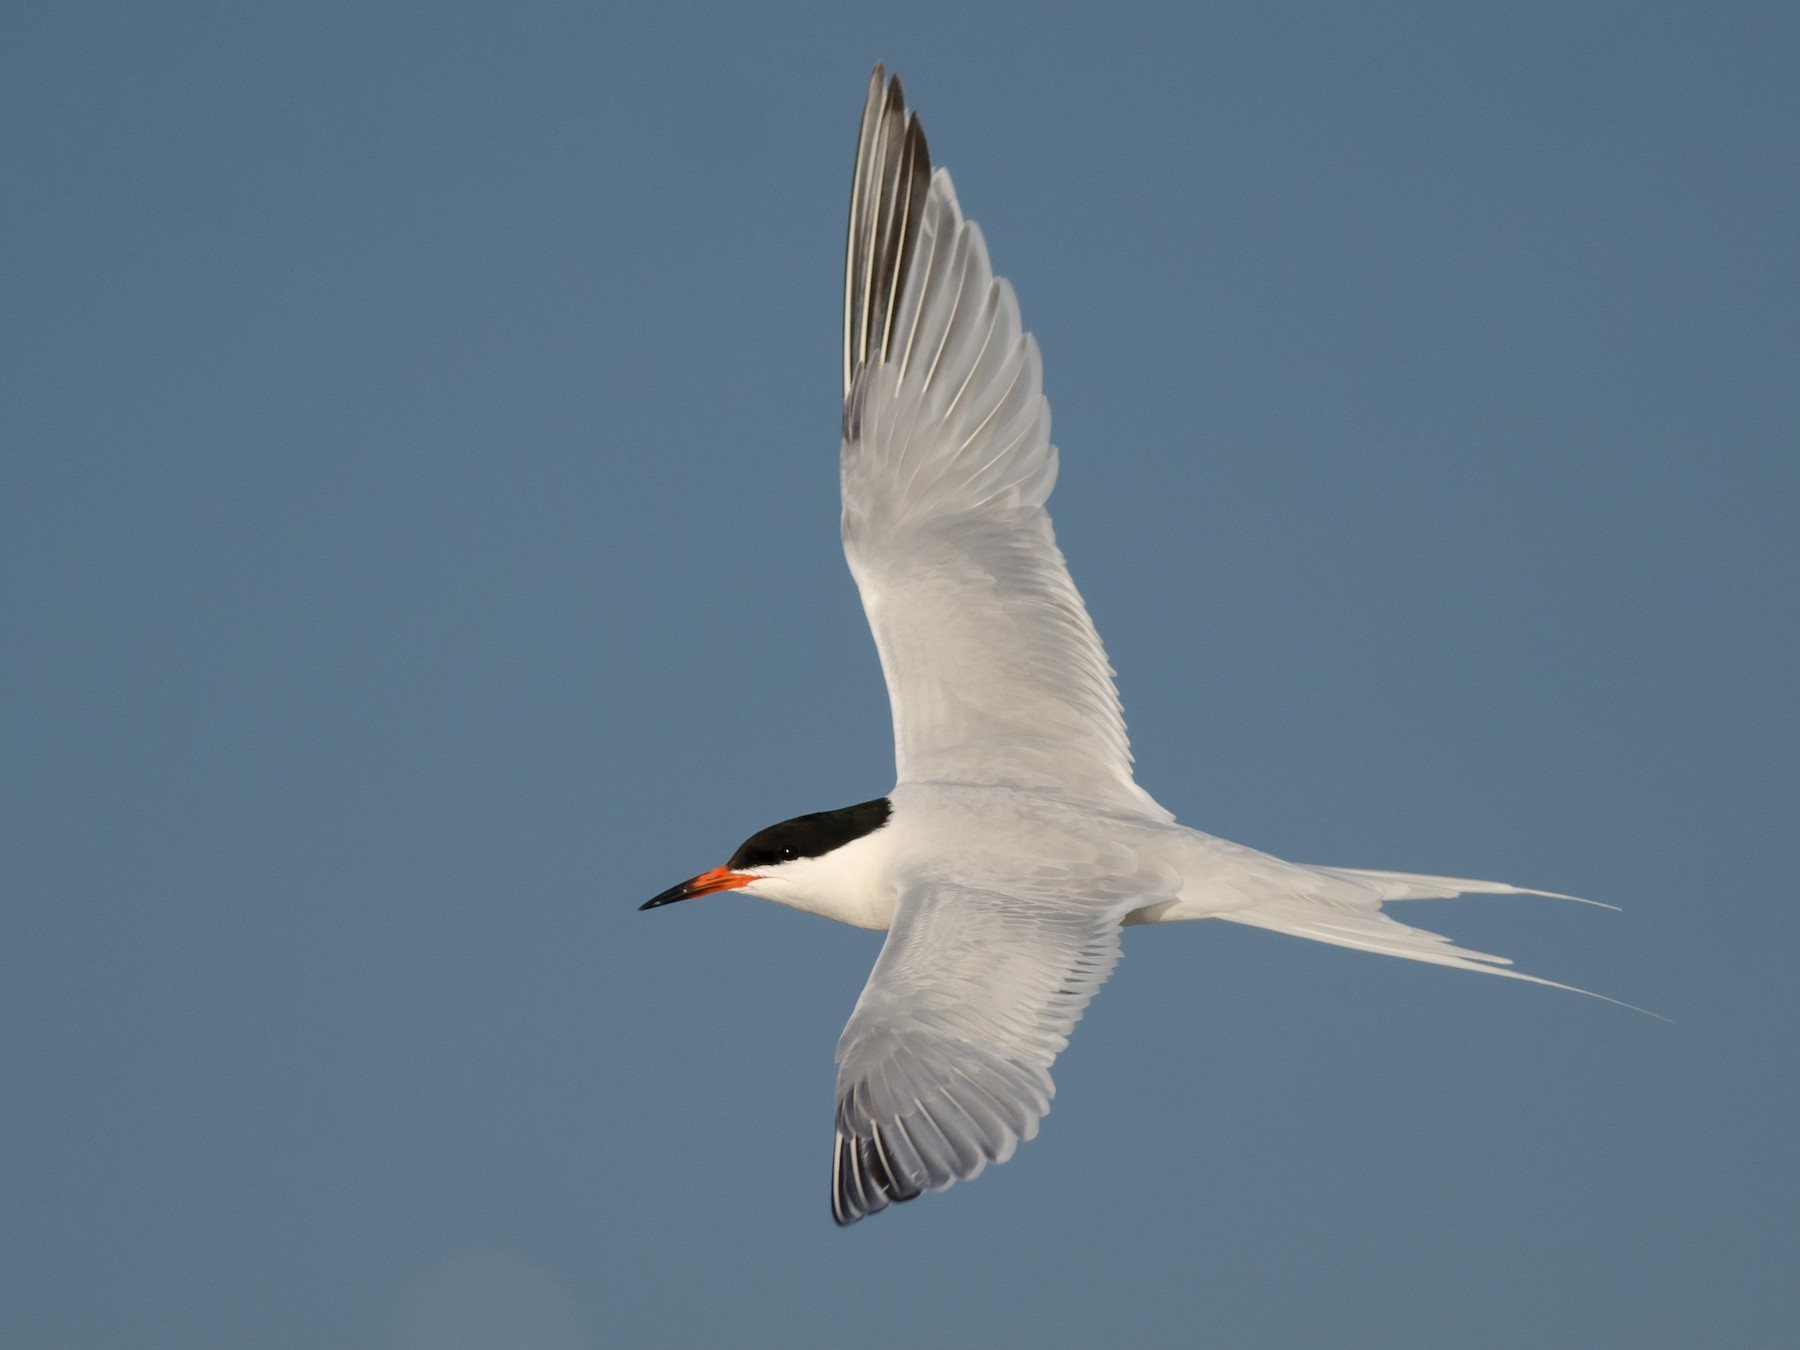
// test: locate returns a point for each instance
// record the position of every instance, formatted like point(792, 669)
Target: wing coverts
point(994, 670)
point(944, 1065)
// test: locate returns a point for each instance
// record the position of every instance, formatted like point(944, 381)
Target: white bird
point(1015, 844)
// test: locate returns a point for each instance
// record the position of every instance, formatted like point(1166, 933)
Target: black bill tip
point(719, 879)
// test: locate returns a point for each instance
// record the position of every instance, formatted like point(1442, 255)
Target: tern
point(1016, 844)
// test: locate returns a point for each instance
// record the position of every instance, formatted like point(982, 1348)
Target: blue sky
point(418, 546)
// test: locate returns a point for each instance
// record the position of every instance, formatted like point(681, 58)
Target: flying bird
point(1015, 844)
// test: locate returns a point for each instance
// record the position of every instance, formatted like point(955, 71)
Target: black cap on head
point(811, 836)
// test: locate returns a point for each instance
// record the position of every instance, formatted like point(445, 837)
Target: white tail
point(1342, 906)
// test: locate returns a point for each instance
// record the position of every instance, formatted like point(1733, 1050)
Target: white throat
point(851, 884)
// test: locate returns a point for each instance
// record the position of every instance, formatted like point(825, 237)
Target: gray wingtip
point(887, 201)
point(864, 1178)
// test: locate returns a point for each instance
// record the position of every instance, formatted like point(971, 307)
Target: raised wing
point(944, 1066)
point(994, 670)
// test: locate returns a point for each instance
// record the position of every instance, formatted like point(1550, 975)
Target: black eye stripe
point(811, 836)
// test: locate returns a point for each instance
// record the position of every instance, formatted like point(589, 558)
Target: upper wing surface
point(944, 1065)
point(994, 670)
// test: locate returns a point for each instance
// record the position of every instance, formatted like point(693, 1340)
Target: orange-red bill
point(719, 879)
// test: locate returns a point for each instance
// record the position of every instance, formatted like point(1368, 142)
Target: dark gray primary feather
point(893, 173)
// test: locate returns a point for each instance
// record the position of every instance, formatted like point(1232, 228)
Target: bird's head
point(807, 862)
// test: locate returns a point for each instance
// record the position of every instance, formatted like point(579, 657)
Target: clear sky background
point(418, 546)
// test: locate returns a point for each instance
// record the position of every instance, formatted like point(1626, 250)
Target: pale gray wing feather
point(944, 1065)
point(994, 670)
